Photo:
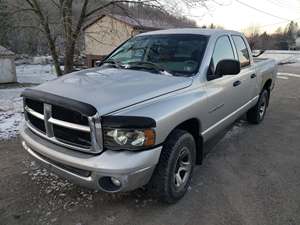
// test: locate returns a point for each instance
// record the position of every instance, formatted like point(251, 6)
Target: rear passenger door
point(247, 76)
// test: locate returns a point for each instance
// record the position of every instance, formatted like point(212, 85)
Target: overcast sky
point(234, 14)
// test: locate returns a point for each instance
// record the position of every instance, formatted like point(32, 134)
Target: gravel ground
point(250, 177)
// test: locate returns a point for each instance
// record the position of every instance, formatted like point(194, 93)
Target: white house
point(298, 43)
point(7, 66)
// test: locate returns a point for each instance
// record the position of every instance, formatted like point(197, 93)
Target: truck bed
point(264, 68)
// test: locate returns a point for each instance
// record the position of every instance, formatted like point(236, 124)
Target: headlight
point(130, 139)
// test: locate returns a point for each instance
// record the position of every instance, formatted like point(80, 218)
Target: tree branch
point(55, 4)
point(51, 42)
point(28, 27)
point(22, 10)
point(115, 2)
point(81, 19)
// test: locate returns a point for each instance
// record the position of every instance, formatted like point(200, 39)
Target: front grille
point(35, 105)
point(61, 125)
point(79, 138)
point(37, 123)
point(69, 115)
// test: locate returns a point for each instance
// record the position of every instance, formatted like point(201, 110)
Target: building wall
point(7, 70)
point(105, 35)
point(298, 43)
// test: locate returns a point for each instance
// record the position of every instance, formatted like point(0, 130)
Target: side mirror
point(228, 67)
point(98, 63)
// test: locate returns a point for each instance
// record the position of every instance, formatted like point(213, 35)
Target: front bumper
point(132, 169)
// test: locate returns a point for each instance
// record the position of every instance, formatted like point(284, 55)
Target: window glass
point(179, 54)
point(134, 51)
point(223, 50)
point(242, 50)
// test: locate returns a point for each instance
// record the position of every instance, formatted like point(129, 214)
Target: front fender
point(170, 110)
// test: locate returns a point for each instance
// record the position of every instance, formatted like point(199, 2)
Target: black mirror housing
point(98, 63)
point(228, 67)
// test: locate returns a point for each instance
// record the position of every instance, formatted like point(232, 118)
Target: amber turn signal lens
point(150, 137)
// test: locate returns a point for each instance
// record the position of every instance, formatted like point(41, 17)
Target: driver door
point(223, 97)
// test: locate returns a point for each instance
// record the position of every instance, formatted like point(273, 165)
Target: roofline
point(111, 16)
point(93, 22)
point(7, 55)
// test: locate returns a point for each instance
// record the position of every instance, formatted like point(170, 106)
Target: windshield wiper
point(114, 63)
point(148, 66)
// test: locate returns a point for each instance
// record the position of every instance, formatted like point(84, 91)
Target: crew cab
point(142, 117)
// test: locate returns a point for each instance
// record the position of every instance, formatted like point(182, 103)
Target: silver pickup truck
point(142, 117)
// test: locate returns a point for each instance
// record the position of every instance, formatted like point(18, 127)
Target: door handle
point(236, 83)
point(253, 76)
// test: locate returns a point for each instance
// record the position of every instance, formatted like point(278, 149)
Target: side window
point(242, 50)
point(223, 50)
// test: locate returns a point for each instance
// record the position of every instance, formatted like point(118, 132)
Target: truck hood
point(112, 89)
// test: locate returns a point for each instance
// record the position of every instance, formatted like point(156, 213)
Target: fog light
point(115, 181)
point(110, 184)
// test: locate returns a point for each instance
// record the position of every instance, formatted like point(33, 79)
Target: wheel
point(173, 173)
point(257, 113)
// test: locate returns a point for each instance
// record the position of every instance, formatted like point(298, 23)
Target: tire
point(256, 114)
point(173, 173)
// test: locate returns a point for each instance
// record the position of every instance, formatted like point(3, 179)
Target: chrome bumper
point(132, 169)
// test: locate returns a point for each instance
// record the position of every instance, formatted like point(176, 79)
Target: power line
point(284, 5)
point(261, 11)
point(273, 24)
point(277, 3)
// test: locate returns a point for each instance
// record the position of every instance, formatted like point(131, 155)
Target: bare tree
point(252, 32)
point(5, 19)
point(62, 14)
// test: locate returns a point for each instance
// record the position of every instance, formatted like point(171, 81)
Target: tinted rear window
point(242, 50)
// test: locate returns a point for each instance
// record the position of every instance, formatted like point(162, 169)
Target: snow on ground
point(35, 74)
point(11, 103)
point(282, 56)
point(10, 112)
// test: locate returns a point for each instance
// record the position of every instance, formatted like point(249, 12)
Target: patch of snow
point(111, 219)
point(35, 74)
point(282, 56)
point(11, 111)
point(42, 60)
point(289, 74)
point(11, 104)
point(283, 78)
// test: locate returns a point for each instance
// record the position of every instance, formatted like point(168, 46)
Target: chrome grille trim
point(47, 115)
point(96, 132)
point(69, 125)
point(54, 140)
point(94, 129)
point(34, 113)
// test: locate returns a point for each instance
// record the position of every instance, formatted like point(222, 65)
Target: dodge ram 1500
point(142, 117)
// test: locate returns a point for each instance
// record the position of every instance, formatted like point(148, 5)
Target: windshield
point(179, 55)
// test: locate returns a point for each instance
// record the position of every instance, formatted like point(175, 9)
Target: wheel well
point(193, 127)
point(268, 84)
point(267, 87)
